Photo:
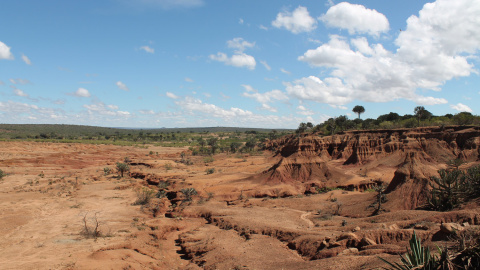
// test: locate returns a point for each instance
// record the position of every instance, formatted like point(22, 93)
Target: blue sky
point(273, 64)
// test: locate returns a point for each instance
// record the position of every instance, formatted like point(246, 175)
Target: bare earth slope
point(264, 211)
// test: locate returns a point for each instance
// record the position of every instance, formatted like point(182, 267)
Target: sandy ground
point(54, 191)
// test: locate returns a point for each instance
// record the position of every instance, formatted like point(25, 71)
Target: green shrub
point(2, 174)
point(106, 171)
point(122, 168)
point(210, 170)
point(144, 195)
point(188, 193)
point(208, 159)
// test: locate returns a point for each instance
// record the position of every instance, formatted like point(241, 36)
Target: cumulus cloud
point(269, 108)
point(81, 92)
point(296, 22)
point(99, 108)
point(25, 113)
point(19, 93)
point(5, 52)
point(147, 49)
point(239, 44)
point(239, 58)
point(435, 47)
point(194, 105)
point(171, 95)
point(304, 111)
point(239, 117)
point(461, 108)
point(356, 19)
point(26, 59)
point(236, 60)
point(266, 97)
point(122, 86)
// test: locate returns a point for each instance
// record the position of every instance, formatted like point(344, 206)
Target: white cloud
point(304, 111)
point(147, 112)
point(236, 60)
point(171, 95)
point(239, 45)
point(266, 97)
point(312, 88)
point(16, 107)
point(435, 47)
point(195, 105)
point(461, 108)
point(263, 27)
point(240, 21)
point(356, 19)
point(296, 22)
point(19, 93)
point(147, 49)
point(5, 52)
point(26, 59)
point(285, 71)
point(268, 108)
point(234, 116)
point(81, 92)
point(99, 108)
point(267, 67)
point(20, 81)
point(122, 86)
point(188, 79)
point(239, 58)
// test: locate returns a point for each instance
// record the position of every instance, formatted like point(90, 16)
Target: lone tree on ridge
point(358, 110)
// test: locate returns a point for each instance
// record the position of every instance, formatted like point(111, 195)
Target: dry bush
point(92, 231)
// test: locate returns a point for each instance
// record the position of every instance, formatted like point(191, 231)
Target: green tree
point(302, 127)
point(122, 168)
point(250, 144)
point(463, 118)
point(421, 113)
point(358, 110)
point(448, 191)
point(342, 122)
point(213, 143)
point(234, 146)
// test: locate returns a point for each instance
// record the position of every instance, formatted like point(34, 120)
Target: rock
point(367, 242)
point(349, 236)
point(356, 229)
point(451, 228)
point(421, 227)
point(348, 251)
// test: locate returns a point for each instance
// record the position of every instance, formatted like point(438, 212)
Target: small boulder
point(451, 228)
point(348, 251)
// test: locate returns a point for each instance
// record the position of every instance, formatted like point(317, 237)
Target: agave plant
point(417, 257)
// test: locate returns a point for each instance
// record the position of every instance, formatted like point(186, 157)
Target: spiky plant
point(417, 257)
